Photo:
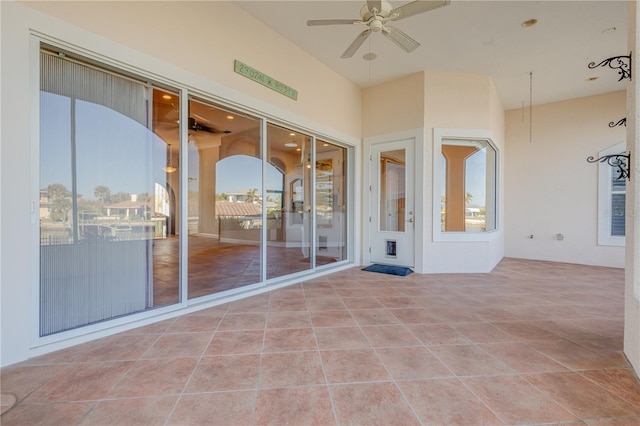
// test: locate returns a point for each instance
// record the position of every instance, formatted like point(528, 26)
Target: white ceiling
point(478, 37)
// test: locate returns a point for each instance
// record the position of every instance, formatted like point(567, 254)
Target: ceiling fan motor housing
point(367, 14)
point(376, 25)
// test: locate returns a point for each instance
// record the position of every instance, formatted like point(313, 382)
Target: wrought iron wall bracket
point(620, 63)
point(621, 122)
point(621, 161)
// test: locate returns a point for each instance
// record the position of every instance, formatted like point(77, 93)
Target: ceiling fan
point(375, 15)
point(194, 126)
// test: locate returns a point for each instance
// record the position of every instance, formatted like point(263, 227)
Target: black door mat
point(401, 271)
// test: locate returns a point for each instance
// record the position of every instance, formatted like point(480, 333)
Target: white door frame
point(421, 192)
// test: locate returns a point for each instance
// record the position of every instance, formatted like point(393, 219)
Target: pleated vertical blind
point(84, 281)
point(76, 80)
point(618, 201)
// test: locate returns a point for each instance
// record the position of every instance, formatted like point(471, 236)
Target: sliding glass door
point(288, 193)
point(263, 201)
point(331, 203)
point(107, 202)
point(225, 199)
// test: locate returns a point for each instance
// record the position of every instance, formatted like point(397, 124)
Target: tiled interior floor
point(216, 266)
point(529, 343)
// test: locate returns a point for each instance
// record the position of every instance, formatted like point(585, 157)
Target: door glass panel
point(225, 199)
point(288, 201)
point(392, 190)
point(331, 206)
point(107, 208)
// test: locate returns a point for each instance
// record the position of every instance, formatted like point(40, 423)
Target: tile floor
point(530, 343)
point(216, 266)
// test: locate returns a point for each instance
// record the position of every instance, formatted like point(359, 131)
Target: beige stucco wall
point(461, 101)
point(393, 106)
point(186, 44)
point(412, 107)
point(550, 188)
point(205, 37)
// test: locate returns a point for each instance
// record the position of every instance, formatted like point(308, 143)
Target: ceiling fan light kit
point(375, 15)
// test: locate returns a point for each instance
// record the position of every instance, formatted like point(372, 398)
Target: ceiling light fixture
point(529, 23)
point(293, 143)
point(167, 97)
point(230, 117)
point(369, 56)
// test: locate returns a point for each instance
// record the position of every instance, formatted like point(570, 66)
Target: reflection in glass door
point(225, 199)
point(288, 201)
point(331, 205)
point(392, 190)
point(107, 199)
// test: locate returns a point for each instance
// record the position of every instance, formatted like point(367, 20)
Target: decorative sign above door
point(265, 80)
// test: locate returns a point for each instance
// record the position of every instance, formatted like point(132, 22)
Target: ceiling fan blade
point(196, 127)
point(377, 4)
point(314, 22)
point(353, 47)
point(405, 42)
point(208, 129)
point(415, 8)
point(197, 118)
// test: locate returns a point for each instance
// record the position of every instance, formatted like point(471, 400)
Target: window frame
point(605, 192)
point(440, 135)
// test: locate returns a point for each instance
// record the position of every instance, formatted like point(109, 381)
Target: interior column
point(632, 225)
point(209, 151)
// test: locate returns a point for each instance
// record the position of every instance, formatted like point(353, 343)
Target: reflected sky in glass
point(117, 152)
point(112, 150)
point(243, 172)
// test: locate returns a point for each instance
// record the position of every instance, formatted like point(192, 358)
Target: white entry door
point(392, 215)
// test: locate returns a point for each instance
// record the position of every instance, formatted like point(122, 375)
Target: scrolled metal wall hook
point(621, 161)
point(620, 63)
point(621, 122)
